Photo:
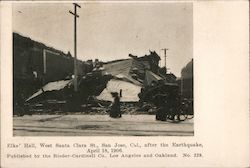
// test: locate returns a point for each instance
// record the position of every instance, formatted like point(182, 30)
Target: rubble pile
point(137, 80)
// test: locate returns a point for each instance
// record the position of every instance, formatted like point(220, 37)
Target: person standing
point(115, 111)
point(160, 101)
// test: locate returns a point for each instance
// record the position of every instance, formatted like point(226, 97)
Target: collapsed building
point(38, 68)
point(131, 75)
point(35, 64)
point(42, 73)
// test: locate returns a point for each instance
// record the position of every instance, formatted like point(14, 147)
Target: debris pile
point(136, 79)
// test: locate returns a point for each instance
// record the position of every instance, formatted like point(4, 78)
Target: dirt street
point(98, 125)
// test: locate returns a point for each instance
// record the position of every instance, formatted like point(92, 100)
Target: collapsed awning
point(57, 85)
point(129, 91)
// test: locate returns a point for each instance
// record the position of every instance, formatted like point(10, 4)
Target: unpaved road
point(98, 125)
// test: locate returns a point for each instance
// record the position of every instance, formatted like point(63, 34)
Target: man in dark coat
point(162, 108)
point(115, 111)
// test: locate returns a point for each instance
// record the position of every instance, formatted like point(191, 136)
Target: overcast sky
point(109, 31)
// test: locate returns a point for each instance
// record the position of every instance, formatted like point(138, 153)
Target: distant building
point(186, 81)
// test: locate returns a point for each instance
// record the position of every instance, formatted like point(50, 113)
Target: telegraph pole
point(75, 42)
point(165, 57)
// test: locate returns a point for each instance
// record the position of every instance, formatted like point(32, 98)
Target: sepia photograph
point(103, 69)
point(124, 84)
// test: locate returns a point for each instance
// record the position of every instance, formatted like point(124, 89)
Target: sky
point(109, 30)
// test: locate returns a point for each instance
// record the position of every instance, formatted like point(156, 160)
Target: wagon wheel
point(174, 117)
point(177, 117)
point(185, 114)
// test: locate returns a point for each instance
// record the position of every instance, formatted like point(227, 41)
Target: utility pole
point(75, 42)
point(165, 57)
